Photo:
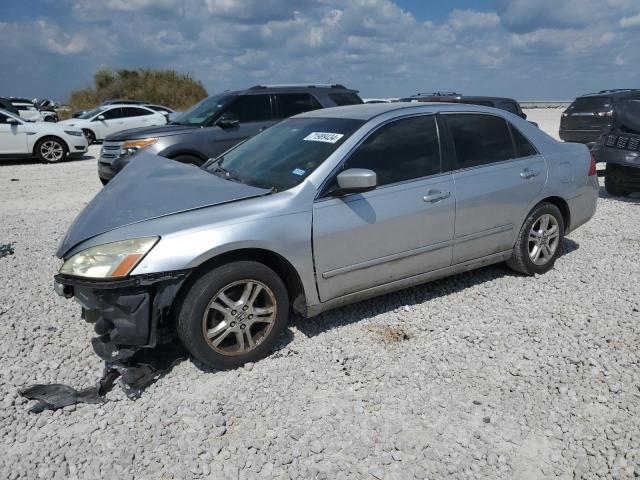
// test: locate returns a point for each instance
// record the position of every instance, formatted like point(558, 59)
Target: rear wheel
point(51, 150)
point(539, 242)
point(190, 159)
point(233, 314)
point(612, 181)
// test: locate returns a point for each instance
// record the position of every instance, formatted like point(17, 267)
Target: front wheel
point(233, 314)
point(539, 242)
point(51, 150)
point(90, 136)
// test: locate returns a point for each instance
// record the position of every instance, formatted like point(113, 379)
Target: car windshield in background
point(201, 112)
point(287, 153)
point(91, 113)
point(591, 104)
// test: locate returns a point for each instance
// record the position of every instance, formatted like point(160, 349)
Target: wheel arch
point(280, 265)
point(45, 137)
point(85, 129)
point(192, 153)
point(563, 206)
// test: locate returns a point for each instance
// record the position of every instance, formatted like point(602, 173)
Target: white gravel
point(484, 375)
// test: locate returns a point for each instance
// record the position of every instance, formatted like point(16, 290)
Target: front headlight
point(73, 133)
point(132, 146)
point(110, 260)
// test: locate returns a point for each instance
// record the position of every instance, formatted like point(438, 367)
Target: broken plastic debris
point(6, 249)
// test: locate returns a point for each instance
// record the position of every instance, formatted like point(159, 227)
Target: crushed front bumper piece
point(127, 314)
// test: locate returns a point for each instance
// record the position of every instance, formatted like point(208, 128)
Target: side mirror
point(355, 180)
point(228, 120)
point(524, 115)
point(100, 117)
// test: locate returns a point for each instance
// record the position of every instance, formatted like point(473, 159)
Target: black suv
point(619, 147)
point(508, 104)
point(592, 114)
point(219, 122)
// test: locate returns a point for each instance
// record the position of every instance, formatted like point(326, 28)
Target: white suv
point(105, 120)
point(47, 141)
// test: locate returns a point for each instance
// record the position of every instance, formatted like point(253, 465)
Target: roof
point(367, 111)
point(612, 92)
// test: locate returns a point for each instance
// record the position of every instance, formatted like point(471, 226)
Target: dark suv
point(619, 147)
point(508, 104)
point(592, 114)
point(219, 122)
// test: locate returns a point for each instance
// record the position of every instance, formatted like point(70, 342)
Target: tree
point(165, 87)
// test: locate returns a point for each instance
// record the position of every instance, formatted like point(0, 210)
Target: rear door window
point(290, 104)
point(251, 108)
point(479, 139)
point(402, 150)
point(341, 99)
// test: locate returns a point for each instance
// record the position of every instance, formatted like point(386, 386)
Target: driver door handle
point(435, 196)
point(527, 173)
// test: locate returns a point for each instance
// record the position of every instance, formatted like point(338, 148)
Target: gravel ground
point(484, 375)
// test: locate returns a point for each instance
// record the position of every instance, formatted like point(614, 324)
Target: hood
point(71, 122)
point(151, 187)
point(145, 132)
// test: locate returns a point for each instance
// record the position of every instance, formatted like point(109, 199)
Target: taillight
point(592, 166)
point(605, 114)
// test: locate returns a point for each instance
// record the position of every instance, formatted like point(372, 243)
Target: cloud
point(545, 48)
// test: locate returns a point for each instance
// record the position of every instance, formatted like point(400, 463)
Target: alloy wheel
point(544, 238)
point(51, 150)
point(239, 317)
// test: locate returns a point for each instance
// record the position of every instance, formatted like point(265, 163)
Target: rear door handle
point(435, 196)
point(528, 173)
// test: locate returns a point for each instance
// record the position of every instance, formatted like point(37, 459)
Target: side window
point(399, 151)
point(509, 107)
point(251, 108)
point(135, 112)
point(112, 114)
point(479, 139)
point(523, 146)
point(290, 104)
point(342, 99)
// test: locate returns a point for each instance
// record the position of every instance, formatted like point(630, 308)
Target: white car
point(102, 121)
point(27, 110)
point(47, 141)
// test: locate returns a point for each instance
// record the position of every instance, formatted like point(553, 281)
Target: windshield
point(591, 104)
point(202, 111)
point(91, 113)
point(281, 157)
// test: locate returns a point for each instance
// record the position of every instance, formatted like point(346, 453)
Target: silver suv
point(326, 208)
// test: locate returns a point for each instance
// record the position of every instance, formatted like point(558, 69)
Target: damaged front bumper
point(128, 314)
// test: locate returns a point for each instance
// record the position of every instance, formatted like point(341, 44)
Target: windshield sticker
point(323, 137)
point(298, 171)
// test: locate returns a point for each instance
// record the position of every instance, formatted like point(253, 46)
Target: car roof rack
point(299, 85)
point(436, 94)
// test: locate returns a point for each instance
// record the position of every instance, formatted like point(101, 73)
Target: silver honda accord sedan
point(326, 208)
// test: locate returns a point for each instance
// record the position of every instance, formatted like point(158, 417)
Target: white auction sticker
point(323, 137)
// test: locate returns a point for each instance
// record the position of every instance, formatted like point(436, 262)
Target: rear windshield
point(591, 104)
point(345, 99)
point(282, 156)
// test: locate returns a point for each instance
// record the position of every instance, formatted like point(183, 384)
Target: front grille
point(110, 151)
point(623, 142)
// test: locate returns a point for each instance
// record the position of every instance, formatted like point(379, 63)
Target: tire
point(190, 159)
point(213, 329)
point(90, 136)
point(528, 259)
point(611, 184)
point(104, 181)
point(51, 150)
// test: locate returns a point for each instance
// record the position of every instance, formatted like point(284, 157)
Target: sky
point(526, 49)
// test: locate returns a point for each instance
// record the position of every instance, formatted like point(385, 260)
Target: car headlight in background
point(111, 260)
point(132, 146)
point(74, 133)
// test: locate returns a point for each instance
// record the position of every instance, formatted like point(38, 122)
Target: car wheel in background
point(190, 159)
point(51, 150)
point(90, 136)
point(103, 181)
point(539, 242)
point(233, 314)
point(50, 119)
point(612, 182)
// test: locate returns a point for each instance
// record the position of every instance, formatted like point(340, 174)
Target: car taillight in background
point(592, 167)
point(608, 113)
